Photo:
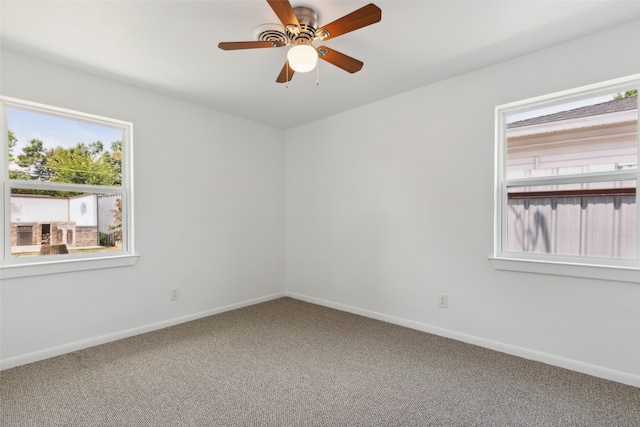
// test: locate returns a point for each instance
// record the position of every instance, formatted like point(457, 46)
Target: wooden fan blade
point(286, 74)
point(340, 60)
point(367, 15)
point(284, 11)
point(248, 45)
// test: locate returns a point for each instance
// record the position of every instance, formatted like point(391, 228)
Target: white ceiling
point(170, 47)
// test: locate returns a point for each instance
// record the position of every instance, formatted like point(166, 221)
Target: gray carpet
point(290, 363)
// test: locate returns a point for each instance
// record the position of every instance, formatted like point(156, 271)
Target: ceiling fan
point(300, 29)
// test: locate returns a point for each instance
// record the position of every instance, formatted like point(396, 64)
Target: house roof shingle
point(613, 106)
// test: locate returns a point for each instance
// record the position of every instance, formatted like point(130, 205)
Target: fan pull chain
point(318, 75)
point(287, 74)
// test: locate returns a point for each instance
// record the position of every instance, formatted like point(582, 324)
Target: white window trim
point(33, 266)
point(585, 267)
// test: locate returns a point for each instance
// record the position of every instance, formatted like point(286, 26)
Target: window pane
point(45, 222)
point(596, 220)
point(56, 149)
point(594, 135)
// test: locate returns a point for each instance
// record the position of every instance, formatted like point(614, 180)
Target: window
point(566, 178)
point(67, 190)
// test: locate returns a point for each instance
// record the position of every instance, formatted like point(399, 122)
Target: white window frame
point(627, 270)
point(13, 267)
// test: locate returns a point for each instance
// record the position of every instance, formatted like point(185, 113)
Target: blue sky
point(56, 131)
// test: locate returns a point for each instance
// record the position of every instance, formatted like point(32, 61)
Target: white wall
point(83, 210)
point(224, 251)
point(39, 209)
point(375, 221)
point(391, 204)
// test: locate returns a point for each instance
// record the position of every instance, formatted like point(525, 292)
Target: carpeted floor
point(290, 363)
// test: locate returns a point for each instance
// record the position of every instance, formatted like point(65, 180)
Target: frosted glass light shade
point(302, 58)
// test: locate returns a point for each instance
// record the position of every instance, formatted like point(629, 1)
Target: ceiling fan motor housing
point(271, 32)
point(308, 20)
point(291, 34)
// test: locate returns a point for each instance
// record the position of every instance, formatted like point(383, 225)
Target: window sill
point(66, 266)
point(590, 271)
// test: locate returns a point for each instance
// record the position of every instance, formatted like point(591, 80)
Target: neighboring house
point(596, 219)
point(74, 221)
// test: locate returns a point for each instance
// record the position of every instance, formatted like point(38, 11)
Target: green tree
point(116, 157)
point(12, 143)
point(82, 164)
point(34, 160)
point(95, 148)
point(627, 94)
point(15, 174)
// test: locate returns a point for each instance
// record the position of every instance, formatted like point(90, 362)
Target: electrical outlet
point(175, 294)
point(442, 300)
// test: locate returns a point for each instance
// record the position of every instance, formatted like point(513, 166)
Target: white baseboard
point(550, 359)
point(574, 365)
point(103, 339)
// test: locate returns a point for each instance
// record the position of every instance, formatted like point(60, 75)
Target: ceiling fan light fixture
point(302, 58)
point(299, 30)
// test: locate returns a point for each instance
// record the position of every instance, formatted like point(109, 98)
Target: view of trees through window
point(60, 171)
